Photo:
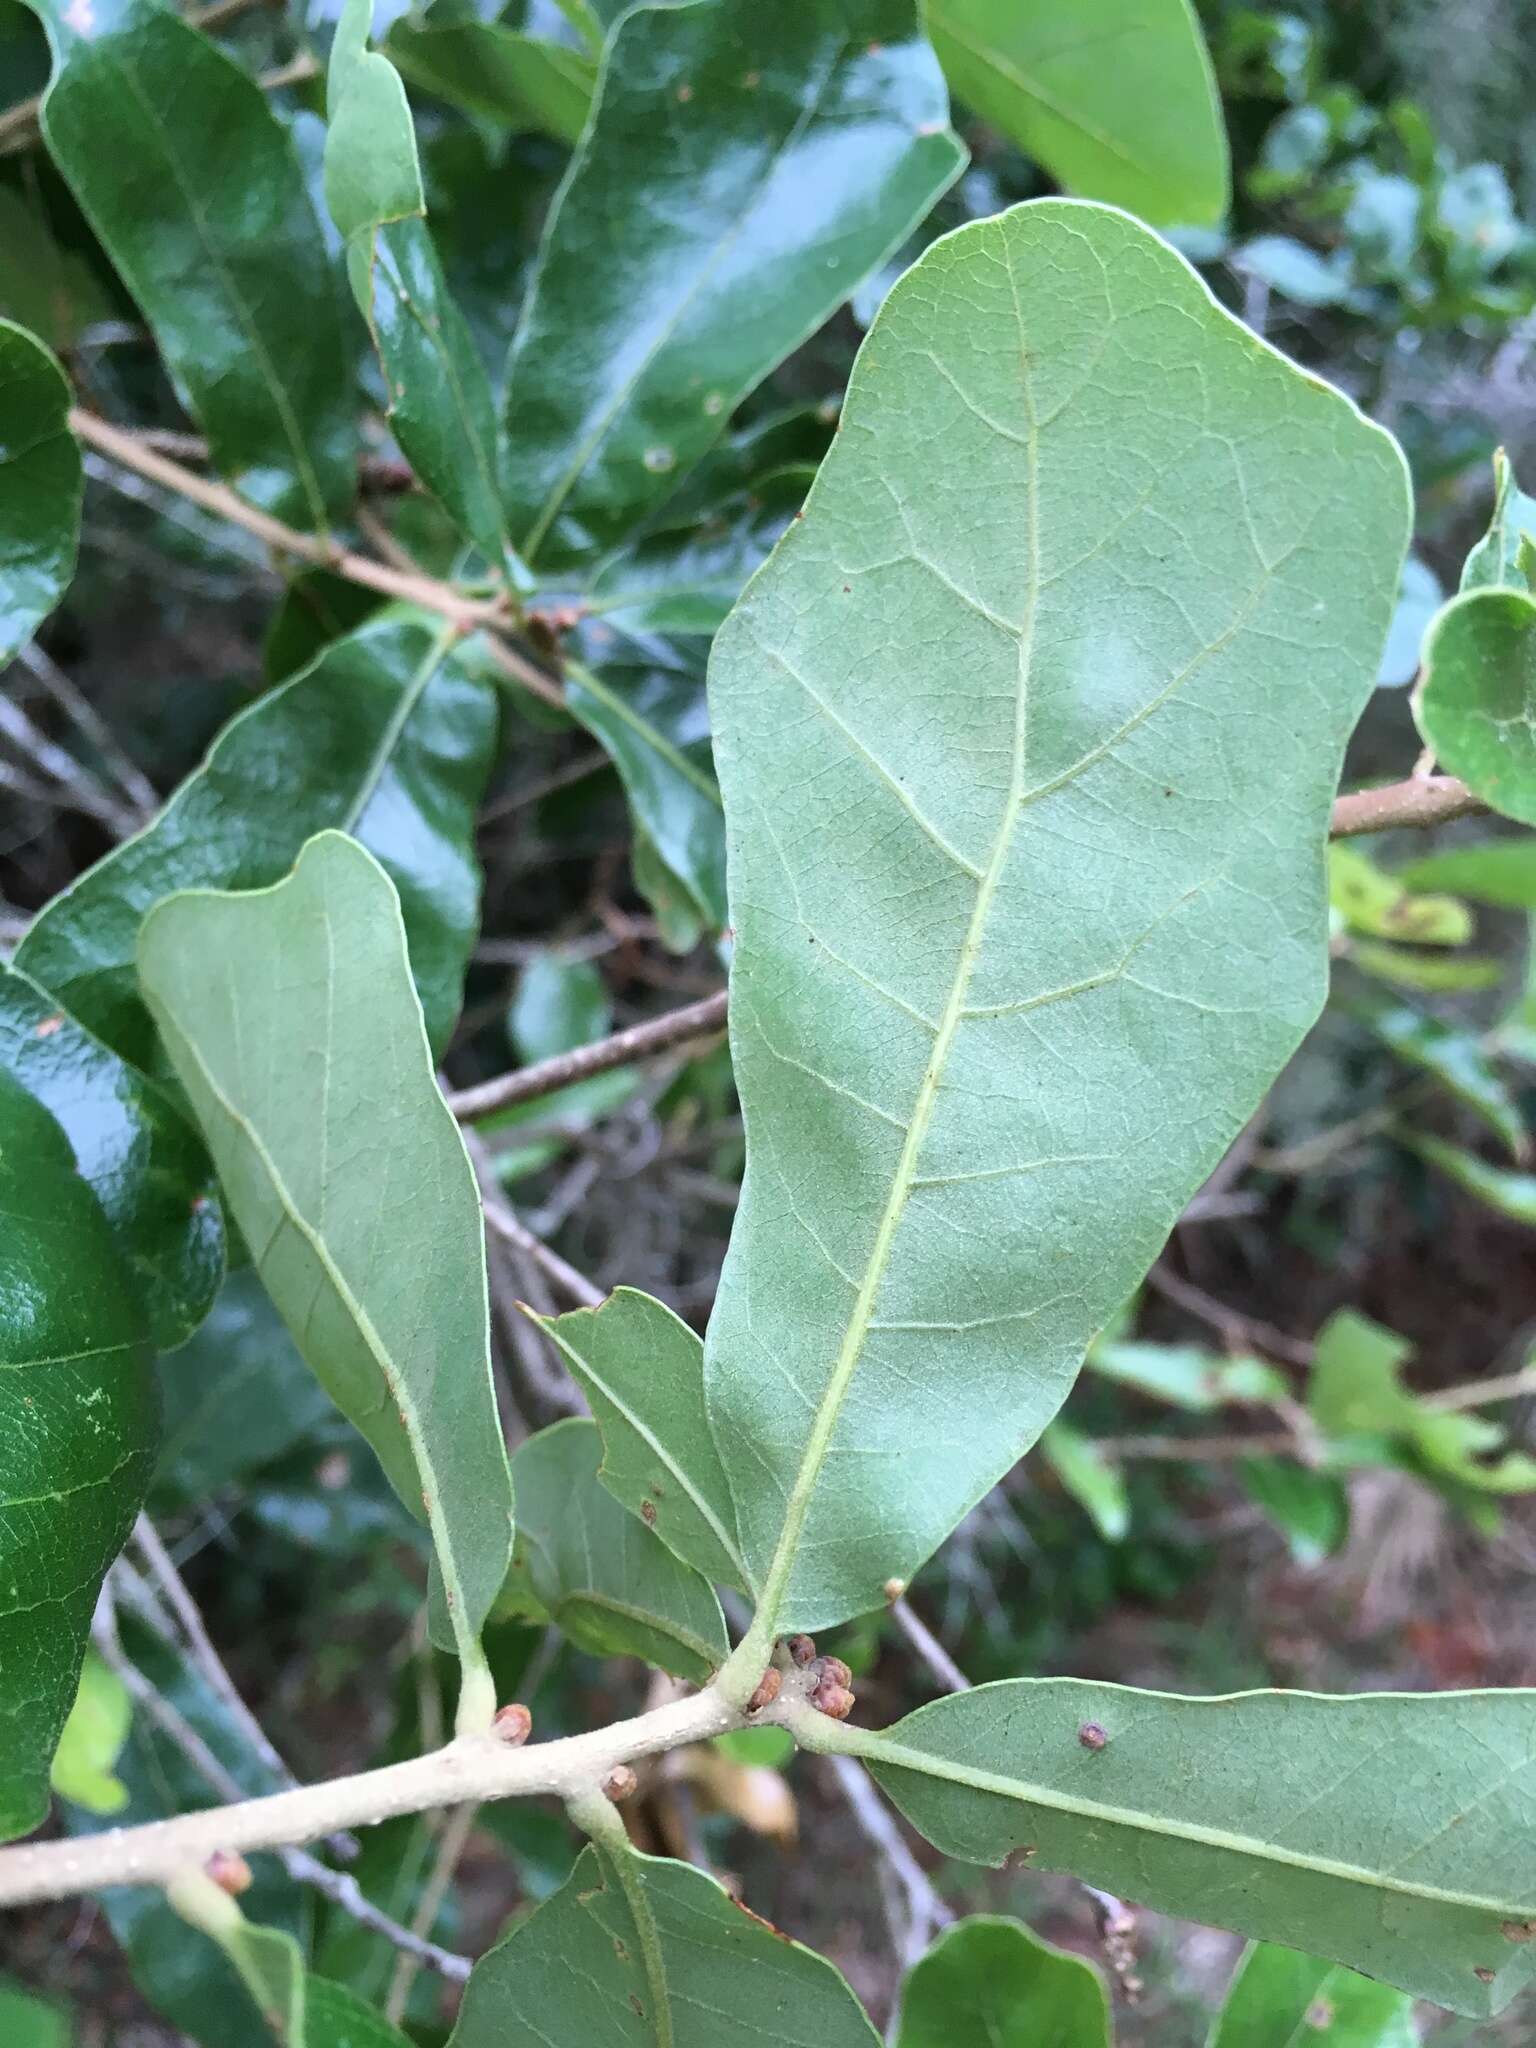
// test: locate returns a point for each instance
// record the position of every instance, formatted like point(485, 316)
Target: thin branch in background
point(170, 1584)
point(1232, 1324)
point(928, 1646)
point(339, 1886)
point(452, 1842)
point(75, 782)
point(72, 701)
point(468, 613)
point(566, 1278)
point(640, 1041)
point(924, 1912)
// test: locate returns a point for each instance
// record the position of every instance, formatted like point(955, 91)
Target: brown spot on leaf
point(1483, 1974)
point(1519, 1930)
point(648, 1513)
point(1092, 1736)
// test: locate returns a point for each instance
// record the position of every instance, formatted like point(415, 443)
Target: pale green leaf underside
point(1391, 1832)
point(598, 1572)
point(291, 1020)
point(642, 1369)
point(576, 1971)
point(1027, 733)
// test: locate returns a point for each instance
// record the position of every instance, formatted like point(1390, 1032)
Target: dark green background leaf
point(389, 736)
point(802, 145)
point(144, 1161)
point(77, 1437)
point(192, 184)
point(39, 486)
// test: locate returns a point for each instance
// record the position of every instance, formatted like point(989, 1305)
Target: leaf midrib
point(881, 1753)
point(830, 1406)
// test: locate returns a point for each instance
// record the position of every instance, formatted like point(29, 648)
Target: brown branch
point(19, 125)
point(467, 613)
point(677, 1027)
point(1422, 800)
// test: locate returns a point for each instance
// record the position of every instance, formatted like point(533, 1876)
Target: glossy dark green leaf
point(182, 1975)
point(1389, 1832)
point(598, 1572)
point(439, 397)
point(1280, 1999)
point(1500, 871)
point(744, 169)
point(643, 1372)
point(144, 1161)
point(39, 487)
point(335, 2017)
point(1117, 102)
point(192, 185)
point(1457, 1059)
point(1476, 699)
point(236, 1397)
point(290, 1019)
point(389, 736)
point(45, 286)
point(1028, 734)
point(704, 1973)
point(654, 723)
point(77, 1437)
point(499, 73)
point(686, 581)
point(988, 1982)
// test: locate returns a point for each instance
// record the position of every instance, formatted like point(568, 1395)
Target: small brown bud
point(835, 1701)
point(835, 1669)
point(895, 1588)
point(620, 1783)
point(229, 1871)
point(513, 1724)
point(802, 1650)
point(767, 1691)
point(1092, 1736)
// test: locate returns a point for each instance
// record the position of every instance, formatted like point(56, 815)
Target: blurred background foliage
point(1284, 1466)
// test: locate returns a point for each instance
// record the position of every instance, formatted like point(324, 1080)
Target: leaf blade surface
point(1025, 817)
